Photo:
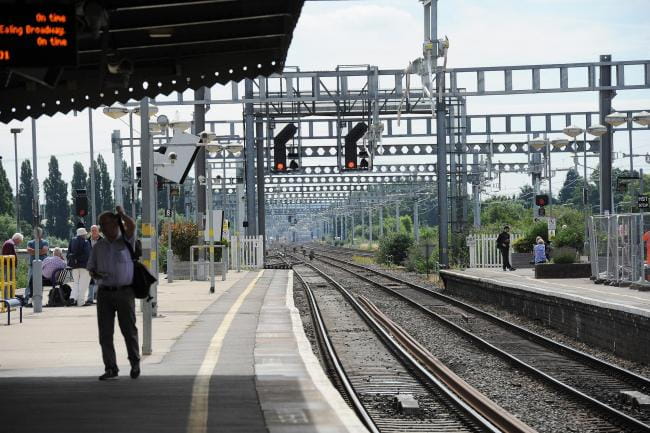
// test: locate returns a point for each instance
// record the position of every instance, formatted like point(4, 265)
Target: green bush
point(571, 236)
point(394, 248)
point(417, 260)
point(185, 233)
point(564, 257)
point(21, 273)
point(525, 243)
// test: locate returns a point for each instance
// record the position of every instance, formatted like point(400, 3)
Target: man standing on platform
point(78, 255)
point(94, 237)
point(111, 266)
point(503, 245)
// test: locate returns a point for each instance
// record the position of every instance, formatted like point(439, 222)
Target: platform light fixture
point(616, 119)
point(537, 143)
point(642, 118)
point(597, 130)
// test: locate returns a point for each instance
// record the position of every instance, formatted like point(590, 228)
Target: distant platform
point(613, 318)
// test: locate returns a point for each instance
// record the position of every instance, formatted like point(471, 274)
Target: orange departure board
point(38, 35)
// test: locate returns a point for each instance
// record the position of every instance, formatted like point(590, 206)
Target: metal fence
point(247, 252)
point(483, 251)
point(616, 248)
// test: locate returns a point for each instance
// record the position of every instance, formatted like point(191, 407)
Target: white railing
point(483, 252)
point(246, 252)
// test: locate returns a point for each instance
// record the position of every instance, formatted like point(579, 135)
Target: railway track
point(371, 369)
point(594, 383)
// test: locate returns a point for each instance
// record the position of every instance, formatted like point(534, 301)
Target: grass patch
point(363, 260)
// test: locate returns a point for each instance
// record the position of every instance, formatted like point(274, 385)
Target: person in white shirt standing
point(78, 255)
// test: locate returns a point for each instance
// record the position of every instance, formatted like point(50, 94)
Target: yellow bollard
point(7, 279)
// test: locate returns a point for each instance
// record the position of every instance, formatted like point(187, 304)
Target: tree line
point(59, 211)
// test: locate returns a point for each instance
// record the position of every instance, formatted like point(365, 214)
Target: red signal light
point(280, 166)
point(352, 164)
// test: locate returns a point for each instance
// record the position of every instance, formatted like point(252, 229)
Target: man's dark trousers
point(505, 258)
point(109, 302)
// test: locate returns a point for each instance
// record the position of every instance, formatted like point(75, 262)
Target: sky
point(389, 34)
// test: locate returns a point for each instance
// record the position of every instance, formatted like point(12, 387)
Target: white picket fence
point(246, 252)
point(483, 251)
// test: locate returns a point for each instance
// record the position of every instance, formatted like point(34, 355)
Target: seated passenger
point(539, 251)
point(53, 264)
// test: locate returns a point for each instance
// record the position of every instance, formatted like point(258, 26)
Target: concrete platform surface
point(576, 289)
point(233, 361)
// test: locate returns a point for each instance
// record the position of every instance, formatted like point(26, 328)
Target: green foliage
point(26, 192)
point(572, 182)
point(501, 212)
point(126, 186)
point(103, 188)
point(106, 190)
point(525, 243)
point(417, 259)
point(79, 176)
point(394, 248)
point(54, 242)
point(6, 193)
point(184, 235)
point(406, 223)
point(526, 195)
point(564, 257)
point(21, 274)
point(569, 237)
point(7, 227)
point(56, 201)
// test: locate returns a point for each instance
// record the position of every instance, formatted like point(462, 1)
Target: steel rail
point(326, 344)
point(486, 407)
point(467, 406)
point(615, 415)
point(627, 375)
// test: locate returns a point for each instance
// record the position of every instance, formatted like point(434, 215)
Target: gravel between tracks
point(535, 403)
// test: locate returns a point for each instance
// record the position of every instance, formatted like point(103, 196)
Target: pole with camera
point(147, 230)
point(37, 265)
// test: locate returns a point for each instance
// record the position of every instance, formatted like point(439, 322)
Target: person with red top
point(646, 239)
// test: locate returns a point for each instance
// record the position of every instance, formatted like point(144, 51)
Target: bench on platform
point(11, 303)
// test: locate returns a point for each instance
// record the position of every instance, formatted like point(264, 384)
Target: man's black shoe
point(135, 371)
point(109, 375)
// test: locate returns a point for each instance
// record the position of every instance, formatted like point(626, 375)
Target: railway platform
point(234, 361)
point(616, 319)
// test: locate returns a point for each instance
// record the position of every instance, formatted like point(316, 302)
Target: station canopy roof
point(129, 49)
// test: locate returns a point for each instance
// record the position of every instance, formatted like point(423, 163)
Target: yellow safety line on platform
point(198, 419)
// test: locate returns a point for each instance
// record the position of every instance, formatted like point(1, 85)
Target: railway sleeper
point(406, 404)
point(635, 399)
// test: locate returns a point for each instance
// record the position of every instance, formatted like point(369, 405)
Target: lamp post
point(15, 132)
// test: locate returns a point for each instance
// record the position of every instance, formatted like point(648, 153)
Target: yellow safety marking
point(7, 278)
point(147, 263)
point(153, 255)
point(198, 419)
point(147, 229)
point(211, 233)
